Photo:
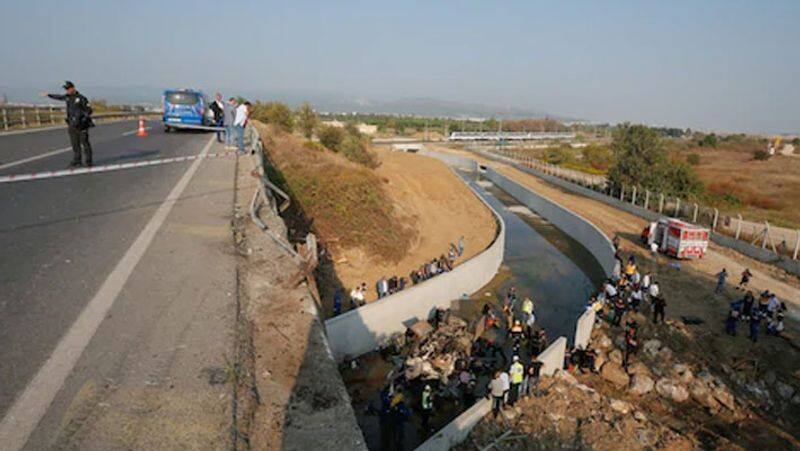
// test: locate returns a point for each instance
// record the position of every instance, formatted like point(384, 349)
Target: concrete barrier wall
point(363, 329)
point(457, 430)
point(583, 328)
point(571, 223)
point(552, 358)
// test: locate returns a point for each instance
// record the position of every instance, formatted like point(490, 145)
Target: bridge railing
point(17, 117)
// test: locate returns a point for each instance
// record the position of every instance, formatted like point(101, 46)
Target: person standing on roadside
point(79, 121)
point(239, 122)
point(228, 117)
point(218, 108)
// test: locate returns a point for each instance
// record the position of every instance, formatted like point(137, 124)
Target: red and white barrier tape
point(106, 168)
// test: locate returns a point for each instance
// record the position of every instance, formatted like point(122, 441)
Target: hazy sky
point(725, 65)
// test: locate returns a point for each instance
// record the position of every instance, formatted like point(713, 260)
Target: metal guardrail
point(16, 117)
point(265, 192)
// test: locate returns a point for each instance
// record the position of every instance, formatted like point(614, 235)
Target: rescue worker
point(527, 311)
point(427, 409)
point(79, 121)
point(515, 373)
point(399, 414)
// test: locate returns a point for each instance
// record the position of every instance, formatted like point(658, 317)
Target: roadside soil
point(290, 395)
point(431, 199)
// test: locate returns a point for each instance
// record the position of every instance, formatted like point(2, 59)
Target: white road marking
point(52, 152)
point(29, 408)
point(35, 157)
point(132, 132)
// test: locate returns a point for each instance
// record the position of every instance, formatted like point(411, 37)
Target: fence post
point(694, 215)
point(714, 221)
point(633, 196)
point(52, 119)
point(766, 235)
point(677, 207)
point(646, 198)
point(622, 193)
point(5, 119)
point(660, 203)
point(796, 245)
point(38, 117)
point(738, 226)
point(22, 117)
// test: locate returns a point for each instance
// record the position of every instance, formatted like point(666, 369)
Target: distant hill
point(322, 101)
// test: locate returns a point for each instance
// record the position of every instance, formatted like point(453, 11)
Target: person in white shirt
point(506, 385)
point(636, 299)
point(610, 291)
point(654, 291)
point(239, 122)
point(356, 297)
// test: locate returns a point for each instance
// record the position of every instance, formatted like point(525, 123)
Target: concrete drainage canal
point(541, 262)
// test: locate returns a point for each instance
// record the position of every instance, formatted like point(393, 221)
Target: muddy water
point(540, 261)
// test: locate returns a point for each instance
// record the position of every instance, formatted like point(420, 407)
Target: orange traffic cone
point(142, 131)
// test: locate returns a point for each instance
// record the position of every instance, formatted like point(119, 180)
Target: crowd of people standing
point(387, 286)
point(766, 311)
point(232, 118)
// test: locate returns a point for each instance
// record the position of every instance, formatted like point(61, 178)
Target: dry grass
point(345, 203)
point(736, 182)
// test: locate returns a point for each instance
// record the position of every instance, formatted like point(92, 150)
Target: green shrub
point(558, 155)
point(355, 149)
point(331, 137)
point(761, 155)
point(597, 156)
point(693, 159)
point(640, 159)
point(312, 145)
point(307, 120)
point(274, 113)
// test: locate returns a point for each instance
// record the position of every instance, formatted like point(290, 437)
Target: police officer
point(79, 120)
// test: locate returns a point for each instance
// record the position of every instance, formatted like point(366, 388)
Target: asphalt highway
point(64, 244)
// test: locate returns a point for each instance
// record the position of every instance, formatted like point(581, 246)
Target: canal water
point(542, 262)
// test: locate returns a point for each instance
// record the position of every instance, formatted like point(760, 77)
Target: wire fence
point(781, 242)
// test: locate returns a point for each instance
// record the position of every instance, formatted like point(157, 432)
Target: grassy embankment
point(343, 202)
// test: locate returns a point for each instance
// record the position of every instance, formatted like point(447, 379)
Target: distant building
point(363, 128)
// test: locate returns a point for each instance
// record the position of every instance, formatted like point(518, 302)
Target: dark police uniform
point(79, 120)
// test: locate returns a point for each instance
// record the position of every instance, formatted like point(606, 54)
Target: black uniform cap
point(68, 84)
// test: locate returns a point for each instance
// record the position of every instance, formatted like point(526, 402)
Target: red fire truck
point(679, 239)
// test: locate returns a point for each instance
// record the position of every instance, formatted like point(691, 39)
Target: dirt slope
point(440, 208)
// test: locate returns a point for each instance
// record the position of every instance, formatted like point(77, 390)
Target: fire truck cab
point(678, 238)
